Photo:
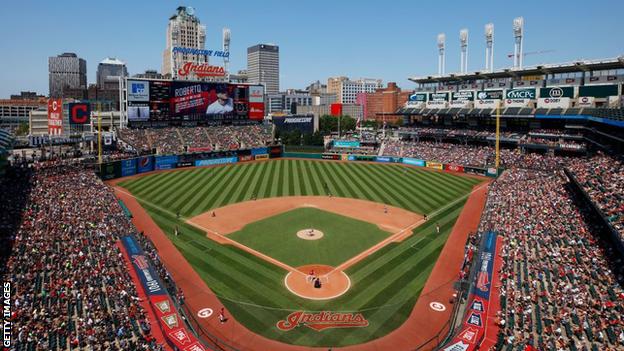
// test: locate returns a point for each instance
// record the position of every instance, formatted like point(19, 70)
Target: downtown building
point(185, 31)
point(346, 90)
point(67, 76)
point(263, 67)
point(381, 104)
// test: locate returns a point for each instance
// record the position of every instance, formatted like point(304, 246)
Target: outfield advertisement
point(453, 168)
point(145, 164)
point(128, 167)
point(414, 162)
point(434, 165)
point(168, 318)
point(558, 97)
point(417, 100)
point(473, 328)
point(165, 162)
point(259, 151)
point(438, 100)
point(347, 143)
point(462, 99)
point(520, 97)
point(216, 161)
point(388, 159)
point(489, 99)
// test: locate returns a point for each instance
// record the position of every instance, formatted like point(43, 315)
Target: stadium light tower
point(489, 47)
point(226, 48)
point(441, 47)
point(518, 30)
point(463, 40)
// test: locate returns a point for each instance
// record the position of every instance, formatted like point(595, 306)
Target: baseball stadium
point(484, 212)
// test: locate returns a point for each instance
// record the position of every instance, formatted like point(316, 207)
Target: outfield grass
point(385, 285)
point(343, 237)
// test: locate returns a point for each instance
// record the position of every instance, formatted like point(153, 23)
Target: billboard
point(128, 167)
point(488, 99)
point(304, 124)
point(200, 70)
point(557, 97)
point(413, 162)
point(138, 90)
point(598, 91)
point(165, 162)
point(462, 98)
point(79, 113)
point(417, 100)
point(164, 100)
point(145, 164)
point(55, 116)
point(438, 100)
point(586, 101)
point(216, 161)
point(346, 143)
point(520, 97)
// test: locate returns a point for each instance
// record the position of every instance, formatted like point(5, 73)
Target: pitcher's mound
point(310, 234)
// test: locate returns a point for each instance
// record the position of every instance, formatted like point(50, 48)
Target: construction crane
point(532, 53)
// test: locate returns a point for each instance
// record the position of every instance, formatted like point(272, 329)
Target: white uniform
point(216, 108)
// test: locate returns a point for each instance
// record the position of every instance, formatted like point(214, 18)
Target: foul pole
point(497, 136)
point(99, 135)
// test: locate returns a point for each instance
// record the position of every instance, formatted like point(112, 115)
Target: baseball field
point(236, 225)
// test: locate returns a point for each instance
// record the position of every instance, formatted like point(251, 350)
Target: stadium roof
point(568, 67)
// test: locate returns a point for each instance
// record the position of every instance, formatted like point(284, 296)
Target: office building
point(346, 90)
point(109, 71)
point(381, 104)
point(185, 31)
point(67, 76)
point(263, 67)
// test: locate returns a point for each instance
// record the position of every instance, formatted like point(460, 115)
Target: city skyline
point(330, 40)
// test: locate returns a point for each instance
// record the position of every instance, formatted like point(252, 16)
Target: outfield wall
point(143, 164)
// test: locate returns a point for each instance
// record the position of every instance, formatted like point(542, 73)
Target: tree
point(22, 129)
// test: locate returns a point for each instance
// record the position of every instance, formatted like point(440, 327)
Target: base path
point(232, 218)
point(424, 326)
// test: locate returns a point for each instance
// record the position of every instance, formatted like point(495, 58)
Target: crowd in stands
point(71, 287)
point(561, 286)
point(173, 140)
point(602, 178)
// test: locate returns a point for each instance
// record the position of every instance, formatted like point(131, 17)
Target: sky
point(388, 40)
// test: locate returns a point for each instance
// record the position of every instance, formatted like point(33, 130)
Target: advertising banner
point(259, 151)
point(474, 170)
point(563, 102)
point(473, 328)
point(387, 159)
point(462, 99)
point(145, 164)
point(245, 158)
point(55, 116)
point(138, 90)
point(347, 143)
point(262, 157)
point(184, 164)
point(434, 165)
point(361, 158)
point(520, 97)
point(165, 162)
point(330, 157)
point(79, 113)
point(586, 101)
point(453, 168)
point(208, 101)
point(599, 91)
point(304, 124)
point(256, 93)
point(438, 100)
point(417, 100)
point(489, 99)
point(128, 167)
point(414, 162)
point(200, 70)
point(216, 161)
point(168, 318)
point(557, 92)
point(276, 151)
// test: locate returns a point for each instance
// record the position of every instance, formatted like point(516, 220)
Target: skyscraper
point(263, 66)
point(108, 73)
point(67, 72)
point(184, 31)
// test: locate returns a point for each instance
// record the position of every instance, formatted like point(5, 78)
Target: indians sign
point(201, 70)
point(322, 320)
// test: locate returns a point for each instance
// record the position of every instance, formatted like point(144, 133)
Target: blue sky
point(390, 40)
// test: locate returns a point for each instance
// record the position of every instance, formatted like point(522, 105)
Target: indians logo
point(322, 320)
point(201, 70)
point(140, 261)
